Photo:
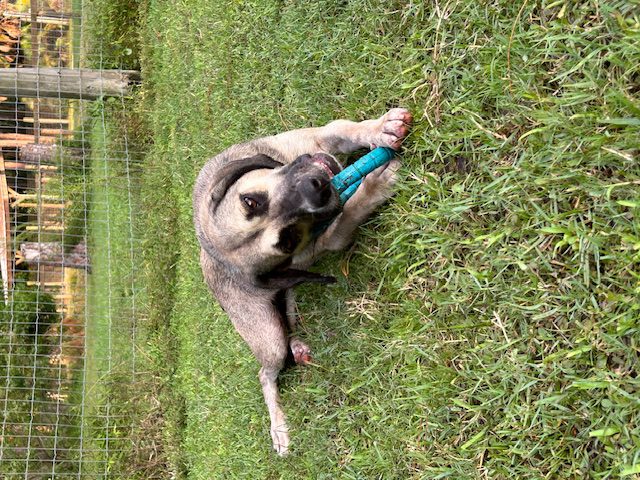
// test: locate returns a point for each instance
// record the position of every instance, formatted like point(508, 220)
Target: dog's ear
point(290, 277)
point(232, 171)
point(215, 178)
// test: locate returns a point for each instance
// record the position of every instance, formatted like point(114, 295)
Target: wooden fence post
point(65, 83)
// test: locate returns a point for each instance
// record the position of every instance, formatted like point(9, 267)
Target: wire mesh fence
point(68, 247)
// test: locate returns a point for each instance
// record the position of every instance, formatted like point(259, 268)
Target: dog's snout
point(315, 189)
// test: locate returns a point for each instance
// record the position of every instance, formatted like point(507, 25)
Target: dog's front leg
point(342, 136)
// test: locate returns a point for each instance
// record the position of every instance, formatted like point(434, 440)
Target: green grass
point(120, 424)
point(118, 392)
point(485, 323)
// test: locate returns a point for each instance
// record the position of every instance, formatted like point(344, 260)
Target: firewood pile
point(9, 42)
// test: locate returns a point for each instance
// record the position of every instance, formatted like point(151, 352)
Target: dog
point(257, 208)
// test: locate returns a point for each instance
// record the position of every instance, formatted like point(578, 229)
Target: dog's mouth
point(326, 163)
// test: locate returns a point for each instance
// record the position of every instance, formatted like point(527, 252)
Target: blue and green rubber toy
point(348, 180)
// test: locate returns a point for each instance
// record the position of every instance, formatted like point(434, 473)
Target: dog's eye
point(250, 202)
point(256, 204)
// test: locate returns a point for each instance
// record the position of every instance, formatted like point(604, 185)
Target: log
point(52, 253)
point(81, 84)
point(34, 252)
point(45, 228)
point(43, 154)
point(38, 153)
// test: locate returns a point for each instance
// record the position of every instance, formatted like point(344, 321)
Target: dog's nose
point(315, 189)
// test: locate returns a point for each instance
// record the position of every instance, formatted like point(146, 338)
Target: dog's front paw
point(376, 188)
point(280, 437)
point(392, 129)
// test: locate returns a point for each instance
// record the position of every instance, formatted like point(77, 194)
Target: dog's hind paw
point(280, 437)
point(301, 351)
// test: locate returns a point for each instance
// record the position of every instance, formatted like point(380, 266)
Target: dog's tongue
point(323, 161)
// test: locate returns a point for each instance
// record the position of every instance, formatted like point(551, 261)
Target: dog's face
point(256, 213)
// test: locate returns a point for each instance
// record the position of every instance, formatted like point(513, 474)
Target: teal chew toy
point(348, 180)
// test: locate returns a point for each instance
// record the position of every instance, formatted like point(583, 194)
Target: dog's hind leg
point(279, 431)
point(300, 350)
point(261, 326)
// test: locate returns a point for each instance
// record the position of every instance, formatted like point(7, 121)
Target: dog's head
point(252, 215)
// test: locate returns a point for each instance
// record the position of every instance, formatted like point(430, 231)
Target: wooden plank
point(35, 61)
point(61, 121)
point(19, 197)
point(18, 139)
point(45, 284)
point(45, 228)
point(29, 166)
point(5, 234)
point(58, 206)
point(14, 143)
point(43, 19)
point(24, 136)
point(55, 132)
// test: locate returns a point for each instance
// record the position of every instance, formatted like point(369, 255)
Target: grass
point(485, 323)
point(118, 393)
point(120, 424)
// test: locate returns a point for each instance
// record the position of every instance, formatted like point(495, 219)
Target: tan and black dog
point(255, 207)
